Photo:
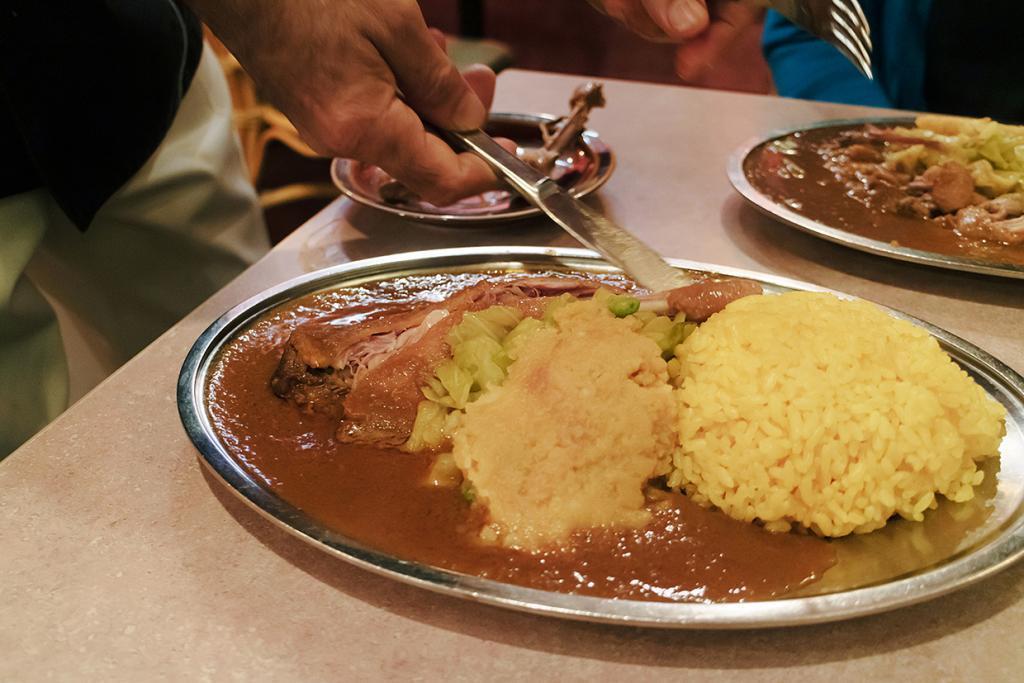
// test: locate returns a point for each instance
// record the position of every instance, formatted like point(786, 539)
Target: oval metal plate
point(601, 164)
point(988, 549)
point(783, 213)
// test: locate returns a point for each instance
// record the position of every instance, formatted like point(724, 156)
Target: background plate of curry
point(935, 195)
point(375, 508)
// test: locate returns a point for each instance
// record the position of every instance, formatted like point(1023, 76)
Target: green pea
point(621, 305)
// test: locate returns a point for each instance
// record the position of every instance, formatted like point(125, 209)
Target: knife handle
point(526, 179)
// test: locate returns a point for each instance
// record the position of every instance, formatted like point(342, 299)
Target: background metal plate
point(602, 163)
point(984, 551)
point(783, 213)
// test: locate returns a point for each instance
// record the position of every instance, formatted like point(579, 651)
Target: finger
point(679, 19)
point(509, 144)
point(439, 38)
point(423, 162)
point(695, 58)
point(429, 81)
point(482, 81)
point(635, 16)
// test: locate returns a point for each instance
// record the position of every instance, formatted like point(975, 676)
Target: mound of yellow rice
point(807, 410)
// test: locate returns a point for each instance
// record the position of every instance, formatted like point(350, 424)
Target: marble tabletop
point(121, 559)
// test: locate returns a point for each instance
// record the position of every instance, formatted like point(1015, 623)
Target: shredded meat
point(1005, 206)
point(367, 365)
point(945, 194)
point(864, 153)
point(1011, 231)
point(857, 161)
point(888, 135)
point(952, 186)
point(873, 175)
point(381, 405)
point(977, 222)
point(922, 206)
point(701, 300)
point(321, 360)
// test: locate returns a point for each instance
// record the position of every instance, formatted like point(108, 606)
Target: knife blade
point(616, 244)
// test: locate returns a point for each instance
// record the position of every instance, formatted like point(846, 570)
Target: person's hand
point(707, 33)
point(335, 68)
point(661, 20)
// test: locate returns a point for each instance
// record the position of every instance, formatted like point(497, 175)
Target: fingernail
point(685, 15)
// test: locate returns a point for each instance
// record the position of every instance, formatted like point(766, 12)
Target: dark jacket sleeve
point(89, 88)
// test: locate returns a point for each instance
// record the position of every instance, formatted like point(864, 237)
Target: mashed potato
point(584, 419)
point(804, 409)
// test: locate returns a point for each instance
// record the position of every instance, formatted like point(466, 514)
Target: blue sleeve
point(809, 68)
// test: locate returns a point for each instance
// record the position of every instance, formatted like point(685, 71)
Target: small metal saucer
point(581, 171)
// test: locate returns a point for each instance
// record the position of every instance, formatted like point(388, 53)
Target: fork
point(839, 22)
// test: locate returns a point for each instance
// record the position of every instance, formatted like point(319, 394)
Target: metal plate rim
point(606, 167)
point(768, 206)
point(1000, 552)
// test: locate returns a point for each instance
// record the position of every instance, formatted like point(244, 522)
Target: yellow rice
point(830, 415)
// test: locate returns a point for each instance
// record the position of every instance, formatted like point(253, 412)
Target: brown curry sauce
point(381, 497)
point(798, 179)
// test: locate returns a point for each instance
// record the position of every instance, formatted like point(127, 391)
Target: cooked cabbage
point(992, 151)
point(485, 343)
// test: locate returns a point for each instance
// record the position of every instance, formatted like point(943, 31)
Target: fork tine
point(844, 45)
point(849, 47)
point(856, 20)
point(855, 59)
point(841, 22)
point(862, 20)
point(842, 27)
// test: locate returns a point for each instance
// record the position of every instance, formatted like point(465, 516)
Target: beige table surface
point(121, 560)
